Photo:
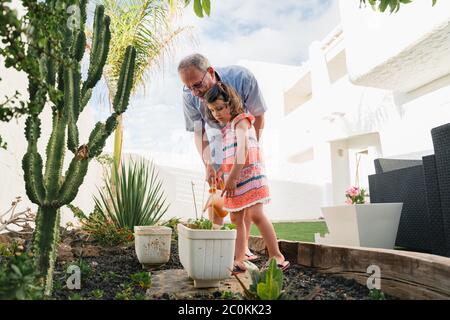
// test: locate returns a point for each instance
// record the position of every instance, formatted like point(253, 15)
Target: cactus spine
point(51, 190)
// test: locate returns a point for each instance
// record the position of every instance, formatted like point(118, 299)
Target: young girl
point(246, 188)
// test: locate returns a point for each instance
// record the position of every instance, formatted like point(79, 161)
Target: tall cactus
point(68, 94)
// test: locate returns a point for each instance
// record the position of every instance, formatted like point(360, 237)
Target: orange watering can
point(215, 201)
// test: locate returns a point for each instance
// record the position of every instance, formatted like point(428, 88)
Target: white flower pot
point(152, 244)
point(206, 255)
point(363, 225)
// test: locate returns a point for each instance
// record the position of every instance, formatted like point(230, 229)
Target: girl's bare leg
point(267, 231)
point(248, 225)
point(237, 218)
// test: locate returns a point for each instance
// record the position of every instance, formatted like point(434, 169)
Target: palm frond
point(148, 25)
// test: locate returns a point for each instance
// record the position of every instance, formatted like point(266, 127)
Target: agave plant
point(136, 198)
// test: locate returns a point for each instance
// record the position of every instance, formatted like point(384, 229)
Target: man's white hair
point(195, 60)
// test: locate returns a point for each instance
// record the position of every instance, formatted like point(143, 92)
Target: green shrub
point(76, 296)
point(125, 294)
point(142, 279)
point(376, 294)
point(172, 223)
point(84, 266)
point(201, 223)
point(102, 230)
point(138, 296)
point(9, 250)
point(97, 294)
point(134, 198)
point(228, 226)
point(266, 285)
point(19, 279)
point(205, 224)
point(109, 275)
point(229, 295)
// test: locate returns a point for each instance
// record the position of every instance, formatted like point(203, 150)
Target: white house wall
point(400, 51)
point(343, 116)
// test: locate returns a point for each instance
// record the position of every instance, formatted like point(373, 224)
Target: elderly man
point(198, 77)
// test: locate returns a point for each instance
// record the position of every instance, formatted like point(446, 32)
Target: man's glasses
point(197, 86)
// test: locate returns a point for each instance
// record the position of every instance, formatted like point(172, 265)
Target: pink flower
point(353, 191)
point(348, 201)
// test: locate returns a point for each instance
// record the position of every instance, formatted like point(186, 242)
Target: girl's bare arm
point(242, 148)
point(241, 156)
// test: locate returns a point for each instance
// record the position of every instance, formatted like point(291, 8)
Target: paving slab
point(176, 284)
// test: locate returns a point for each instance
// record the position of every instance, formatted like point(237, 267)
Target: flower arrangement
point(355, 195)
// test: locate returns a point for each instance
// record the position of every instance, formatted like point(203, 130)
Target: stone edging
point(406, 275)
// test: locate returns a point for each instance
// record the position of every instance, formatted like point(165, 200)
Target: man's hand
point(210, 176)
point(229, 188)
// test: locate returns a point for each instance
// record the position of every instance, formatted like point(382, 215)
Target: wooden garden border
point(404, 274)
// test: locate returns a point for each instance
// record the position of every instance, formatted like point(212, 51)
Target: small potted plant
point(355, 195)
point(206, 253)
point(361, 224)
point(135, 200)
point(152, 244)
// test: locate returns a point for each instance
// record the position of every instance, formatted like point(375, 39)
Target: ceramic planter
point(206, 255)
point(152, 244)
point(362, 225)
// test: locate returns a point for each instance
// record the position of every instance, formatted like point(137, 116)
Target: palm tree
point(148, 26)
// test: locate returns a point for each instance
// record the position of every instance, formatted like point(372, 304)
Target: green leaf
point(270, 288)
point(206, 4)
point(77, 212)
point(16, 270)
point(198, 8)
point(394, 5)
point(383, 5)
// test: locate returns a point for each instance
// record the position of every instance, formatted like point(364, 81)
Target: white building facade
point(375, 87)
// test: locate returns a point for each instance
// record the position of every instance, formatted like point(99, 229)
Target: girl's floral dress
point(251, 185)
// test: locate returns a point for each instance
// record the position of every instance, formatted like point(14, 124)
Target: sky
point(262, 30)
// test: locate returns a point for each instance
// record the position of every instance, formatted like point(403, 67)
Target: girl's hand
point(219, 180)
point(229, 188)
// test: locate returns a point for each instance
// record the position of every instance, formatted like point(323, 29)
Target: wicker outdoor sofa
point(424, 188)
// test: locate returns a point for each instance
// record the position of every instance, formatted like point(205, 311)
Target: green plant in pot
point(135, 200)
point(206, 251)
point(203, 223)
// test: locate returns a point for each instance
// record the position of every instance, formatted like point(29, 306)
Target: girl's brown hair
point(222, 91)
